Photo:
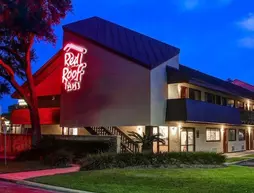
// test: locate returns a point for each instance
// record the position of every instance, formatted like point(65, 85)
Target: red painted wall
point(47, 116)
point(51, 84)
point(15, 143)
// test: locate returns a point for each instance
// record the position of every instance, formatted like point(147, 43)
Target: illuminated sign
point(74, 67)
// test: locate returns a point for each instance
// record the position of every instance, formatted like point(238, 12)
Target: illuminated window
point(74, 131)
point(212, 134)
point(241, 135)
point(232, 134)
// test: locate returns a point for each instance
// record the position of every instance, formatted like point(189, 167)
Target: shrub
point(60, 158)
point(176, 159)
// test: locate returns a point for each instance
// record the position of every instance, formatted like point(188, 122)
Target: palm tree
point(146, 140)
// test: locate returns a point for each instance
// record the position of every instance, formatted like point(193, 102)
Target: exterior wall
point(159, 91)
point(51, 130)
point(114, 91)
point(173, 91)
point(138, 129)
point(51, 85)
point(237, 144)
point(203, 145)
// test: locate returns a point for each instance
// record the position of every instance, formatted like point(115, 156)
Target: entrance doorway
point(187, 140)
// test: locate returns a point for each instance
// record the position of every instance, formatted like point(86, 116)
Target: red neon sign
point(74, 67)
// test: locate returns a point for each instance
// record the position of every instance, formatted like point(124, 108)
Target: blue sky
point(215, 36)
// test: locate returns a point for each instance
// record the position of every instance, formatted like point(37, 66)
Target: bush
point(49, 145)
point(60, 158)
point(176, 159)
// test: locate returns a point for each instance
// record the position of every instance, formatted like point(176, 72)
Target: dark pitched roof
point(186, 74)
point(138, 47)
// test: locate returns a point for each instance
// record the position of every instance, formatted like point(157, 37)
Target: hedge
point(176, 159)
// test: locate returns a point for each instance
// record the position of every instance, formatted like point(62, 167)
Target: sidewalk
point(239, 154)
point(33, 174)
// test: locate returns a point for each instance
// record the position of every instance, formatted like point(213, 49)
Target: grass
point(14, 166)
point(233, 179)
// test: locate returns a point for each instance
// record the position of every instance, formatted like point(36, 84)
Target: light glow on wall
point(74, 67)
point(140, 130)
point(173, 130)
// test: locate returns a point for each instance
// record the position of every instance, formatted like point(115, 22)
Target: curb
point(43, 186)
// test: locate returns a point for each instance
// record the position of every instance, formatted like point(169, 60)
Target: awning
point(47, 116)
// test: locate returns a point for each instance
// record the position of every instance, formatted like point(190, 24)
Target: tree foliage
point(21, 23)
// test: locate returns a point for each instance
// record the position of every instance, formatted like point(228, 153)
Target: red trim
point(47, 116)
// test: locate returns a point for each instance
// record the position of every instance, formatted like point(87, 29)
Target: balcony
point(199, 111)
point(247, 117)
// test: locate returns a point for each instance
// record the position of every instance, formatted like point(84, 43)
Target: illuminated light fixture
point(173, 130)
point(222, 128)
point(248, 105)
point(249, 129)
point(140, 130)
point(22, 102)
point(74, 66)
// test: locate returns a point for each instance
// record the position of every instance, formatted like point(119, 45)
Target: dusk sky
point(215, 36)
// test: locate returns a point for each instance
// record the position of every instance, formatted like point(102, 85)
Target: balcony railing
point(200, 111)
point(247, 117)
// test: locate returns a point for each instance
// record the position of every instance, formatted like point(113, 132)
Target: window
point(212, 134)
point(194, 94)
point(241, 135)
point(224, 101)
point(230, 103)
point(183, 92)
point(218, 100)
point(240, 104)
point(232, 135)
point(163, 130)
point(210, 98)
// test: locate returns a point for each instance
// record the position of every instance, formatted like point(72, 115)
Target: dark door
point(187, 139)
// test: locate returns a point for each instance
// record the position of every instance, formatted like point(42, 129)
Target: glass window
point(210, 98)
point(241, 135)
point(230, 103)
point(218, 100)
point(232, 135)
point(212, 134)
point(194, 94)
point(183, 93)
point(163, 130)
point(240, 105)
point(224, 101)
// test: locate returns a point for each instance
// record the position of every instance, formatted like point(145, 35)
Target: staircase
point(127, 144)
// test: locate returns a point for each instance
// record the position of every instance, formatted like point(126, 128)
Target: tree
point(22, 22)
point(146, 140)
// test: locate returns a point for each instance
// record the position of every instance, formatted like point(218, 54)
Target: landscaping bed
point(232, 179)
point(15, 166)
point(160, 160)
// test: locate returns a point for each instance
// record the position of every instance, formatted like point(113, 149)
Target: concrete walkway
point(240, 154)
point(33, 174)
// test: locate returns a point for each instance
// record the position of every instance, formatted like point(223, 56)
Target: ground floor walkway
point(240, 154)
point(33, 174)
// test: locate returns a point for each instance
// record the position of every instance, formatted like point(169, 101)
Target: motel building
point(108, 80)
